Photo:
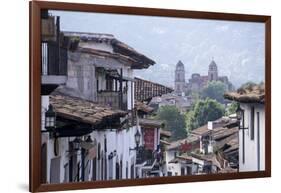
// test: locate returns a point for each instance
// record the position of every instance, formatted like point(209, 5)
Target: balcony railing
point(112, 99)
point(54, 59)
point(53, 56)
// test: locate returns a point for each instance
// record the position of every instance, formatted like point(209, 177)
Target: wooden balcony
point(53, 67)
point(53, 60)
point(53, 56)
point(112, 99)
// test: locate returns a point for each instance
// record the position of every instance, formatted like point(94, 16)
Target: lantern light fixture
point(50, 119)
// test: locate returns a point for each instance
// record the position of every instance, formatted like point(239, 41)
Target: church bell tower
point(179, 78)
point(213, 71)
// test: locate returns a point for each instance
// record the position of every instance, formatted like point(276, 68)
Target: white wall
point(119, 141)
point(251, 146)
point(44, 108)
point(15, 100)
point(172, 167)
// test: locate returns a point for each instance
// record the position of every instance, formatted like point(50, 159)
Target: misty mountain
point(237, 47)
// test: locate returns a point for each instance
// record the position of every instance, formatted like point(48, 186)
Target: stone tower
point(213, 71)
point(179, 78)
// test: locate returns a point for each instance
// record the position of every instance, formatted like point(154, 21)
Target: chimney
point(210, 125)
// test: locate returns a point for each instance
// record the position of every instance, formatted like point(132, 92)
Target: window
point(132, 171)
point(109, 84)
point(127, 170)
point(66, 173)
point(182, 171)
point(94, 176)
point(258, 140)
point(110, 169)
point(121, 168)
point(44, 58)
point(252, 131)
point(55, 170)
point(117, 177)
point(44, 163)
point(105, 160)
point(97, 85)
point(102, 166)
point(188, 170)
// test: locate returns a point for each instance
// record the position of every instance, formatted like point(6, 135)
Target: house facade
point(178, 159)
point(251, 113)
point(211, 148)
point(98, 133)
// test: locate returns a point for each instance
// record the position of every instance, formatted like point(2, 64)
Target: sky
point(238, 48)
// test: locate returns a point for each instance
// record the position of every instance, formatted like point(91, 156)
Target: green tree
point(202, 112)
point(214, 90)
point(248, 85)
point(174, 121)
point(231, 108)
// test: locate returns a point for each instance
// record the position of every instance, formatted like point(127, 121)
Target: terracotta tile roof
point(165, 133)
point(224, 132)
point(182, 159)
point(140, 106)
point(220, 126)
point(120, 48)
point(145, 90)
point(228, 170)
point(103, 54)
point(211, 158)
point(203, 130)
point(151, 123)
point(230, 140)
point(178, 143)
point(164, 142)
point(82, 110)
point(234, 146)
point(249, 94)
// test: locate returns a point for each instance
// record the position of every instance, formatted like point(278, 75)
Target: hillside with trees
point(202, 112)
point(174, 121)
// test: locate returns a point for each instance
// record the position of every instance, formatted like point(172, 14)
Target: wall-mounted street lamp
point(137, 140)
point(240, 117)
point(89, 139)
point(241, 126)
point(50, 119)
point(50, 126)
point(76, 143)
point(239, 113)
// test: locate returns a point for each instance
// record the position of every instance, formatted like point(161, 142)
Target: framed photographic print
point(126, 96)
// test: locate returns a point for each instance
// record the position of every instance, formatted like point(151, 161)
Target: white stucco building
point(251, 113)
point(92, 94)
point(252, 138)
